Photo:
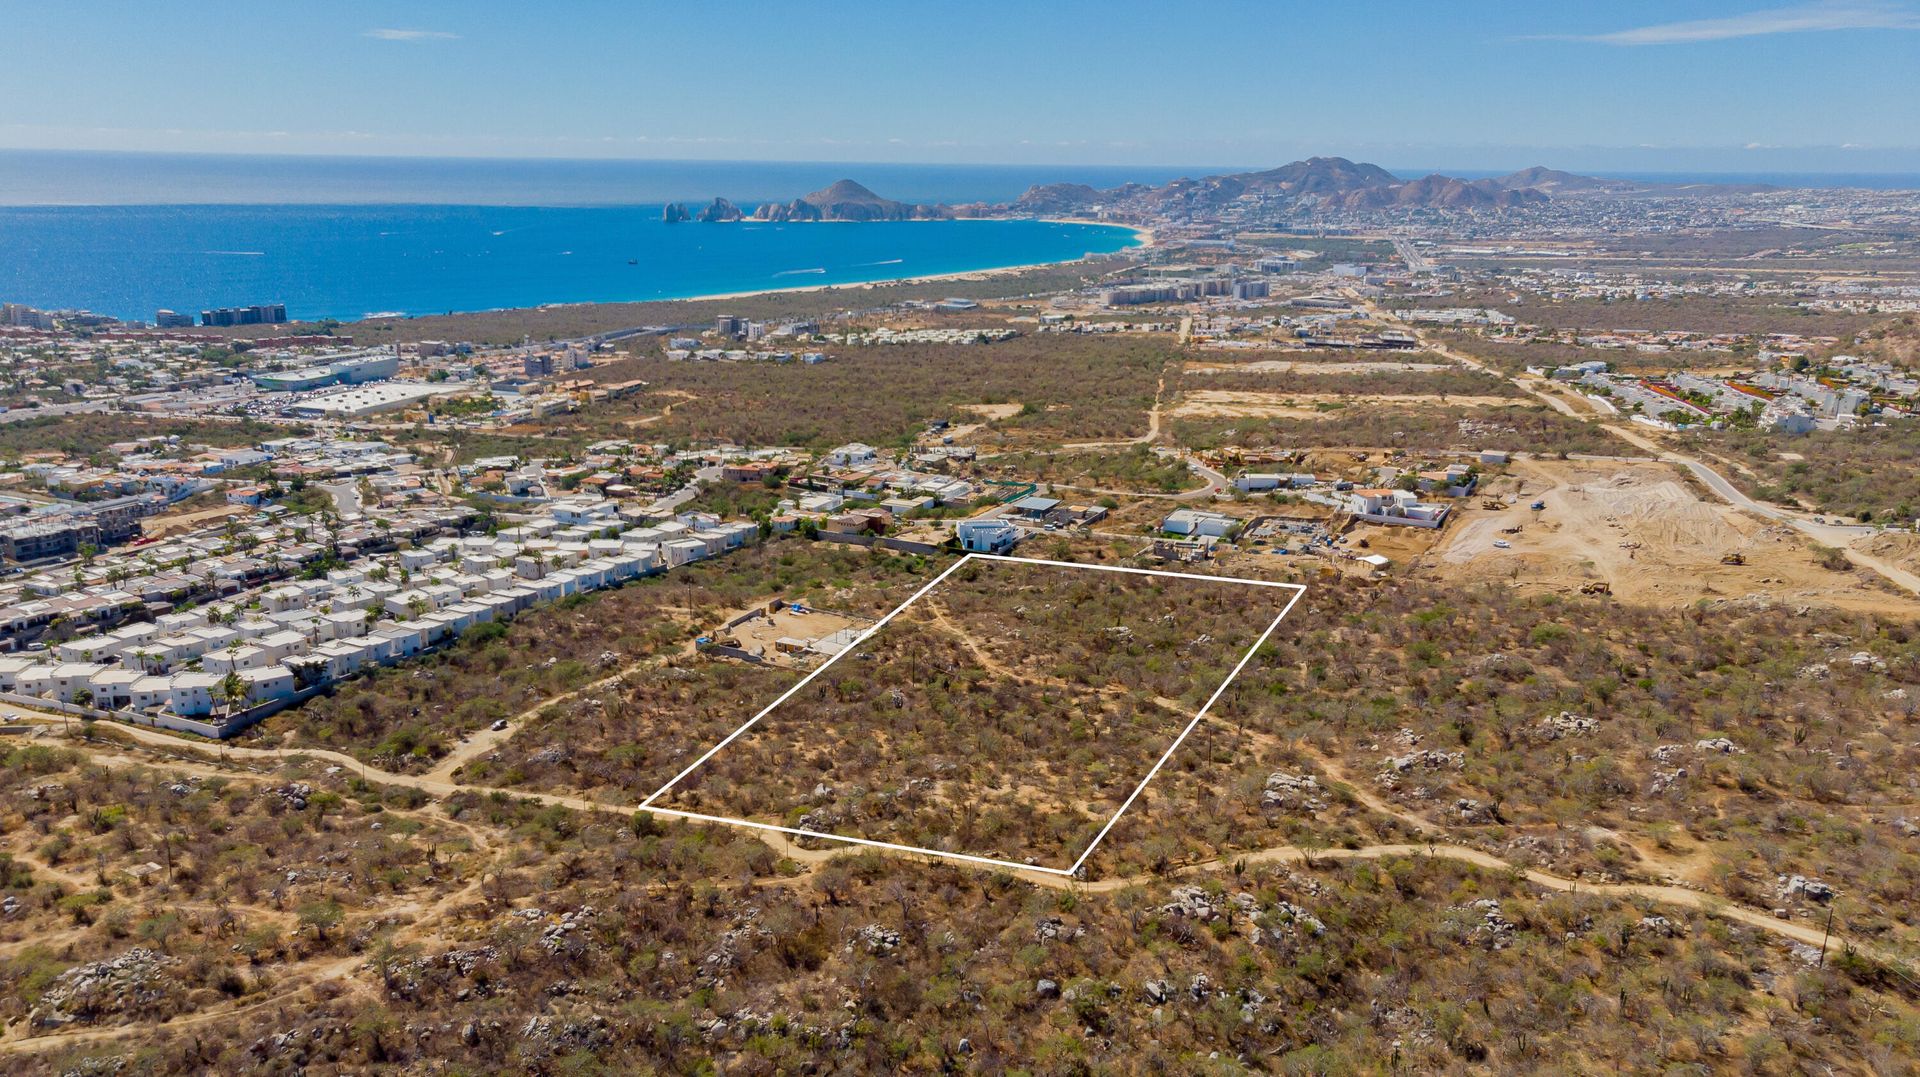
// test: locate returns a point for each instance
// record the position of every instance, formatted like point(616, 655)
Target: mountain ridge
point(1316, 184)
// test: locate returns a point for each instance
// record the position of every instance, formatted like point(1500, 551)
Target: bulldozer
point(1597, 587)
point(1734, 559)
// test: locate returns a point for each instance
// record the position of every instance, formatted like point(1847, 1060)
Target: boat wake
point(800, 272)
point(244, 254)
point(884, 262)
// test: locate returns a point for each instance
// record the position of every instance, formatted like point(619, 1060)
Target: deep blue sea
point(350, 262)
point(127, 234)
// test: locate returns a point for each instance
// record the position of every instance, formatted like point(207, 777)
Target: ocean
point(126, 234)
point(345, 238)
point(351, 262)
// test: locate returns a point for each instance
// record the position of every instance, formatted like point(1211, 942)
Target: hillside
point(1315, 185)
point(1438, 192)
point(1318, 183)
point(847, 200)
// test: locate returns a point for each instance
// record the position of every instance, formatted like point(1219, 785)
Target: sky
point(1827, 85)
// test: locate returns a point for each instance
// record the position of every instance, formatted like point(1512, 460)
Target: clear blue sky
point(1832, 85)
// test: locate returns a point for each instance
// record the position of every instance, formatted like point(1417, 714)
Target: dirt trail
point(294, 980)
point(1674, 895)
point(486, 740)
point(666, 412)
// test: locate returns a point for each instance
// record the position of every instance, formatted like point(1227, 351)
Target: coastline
point(1143, 237)
point(394, 290)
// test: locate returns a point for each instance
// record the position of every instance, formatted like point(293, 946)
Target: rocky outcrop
point(847, 201)
point(720, 211)
point(1048, 198)
point(674, 213)
point(137, 984)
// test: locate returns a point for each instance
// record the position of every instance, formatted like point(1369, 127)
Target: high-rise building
point(168, 319)
point(258, 314)
point(24, 316)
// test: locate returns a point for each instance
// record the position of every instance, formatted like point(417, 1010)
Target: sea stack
point(720, 211)
point(674, 213)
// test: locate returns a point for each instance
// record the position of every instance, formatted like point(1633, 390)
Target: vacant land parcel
point(1009, 712)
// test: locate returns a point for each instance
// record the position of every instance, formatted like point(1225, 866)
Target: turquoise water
point(352, 261)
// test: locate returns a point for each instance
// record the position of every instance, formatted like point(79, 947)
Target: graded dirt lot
point(158, 527)
point(1902, 550)
point(1646, 534)
point(1292, 366)
point(765, 627)
point(1235, 404)
point(992, 411)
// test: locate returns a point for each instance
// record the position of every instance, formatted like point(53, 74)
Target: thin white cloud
point(385, 33)
point(1798, 19)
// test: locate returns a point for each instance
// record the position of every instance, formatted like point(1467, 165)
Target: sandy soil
point(1224, 404)
point(992, 411)
point(1289, 366)
point(177, 523)
point(760, 633)
point(1902, 550)
point(1649, 536)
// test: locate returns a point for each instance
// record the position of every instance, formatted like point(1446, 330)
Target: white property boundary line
point(1297, 589)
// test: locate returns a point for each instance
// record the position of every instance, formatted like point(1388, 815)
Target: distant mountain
point(1314, 177)
point(1552, 181)
point(1318, 183)
point(1065, 198)
point(1437, 192)
point(1318, 175)
point(847, 201)
point(1556, 183)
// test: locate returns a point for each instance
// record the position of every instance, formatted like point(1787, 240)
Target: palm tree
point(233, 690)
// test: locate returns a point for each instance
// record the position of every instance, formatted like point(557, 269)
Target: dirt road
point(785, 844)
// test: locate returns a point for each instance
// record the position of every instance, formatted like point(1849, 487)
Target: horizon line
point(1196, 169)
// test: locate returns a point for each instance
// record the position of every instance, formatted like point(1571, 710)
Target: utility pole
point(1824, 936)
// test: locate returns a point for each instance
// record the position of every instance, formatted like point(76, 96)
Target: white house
point(986, 536)
point(852, 454)
point(1198, 522)
point(268, 683)
point(1251, 482)
point(191, 694)
point(1394, 507)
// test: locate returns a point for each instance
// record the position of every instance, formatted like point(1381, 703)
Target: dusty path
point(294, 980)
point(786, 845)
point(486, 740)
point(665, 412)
